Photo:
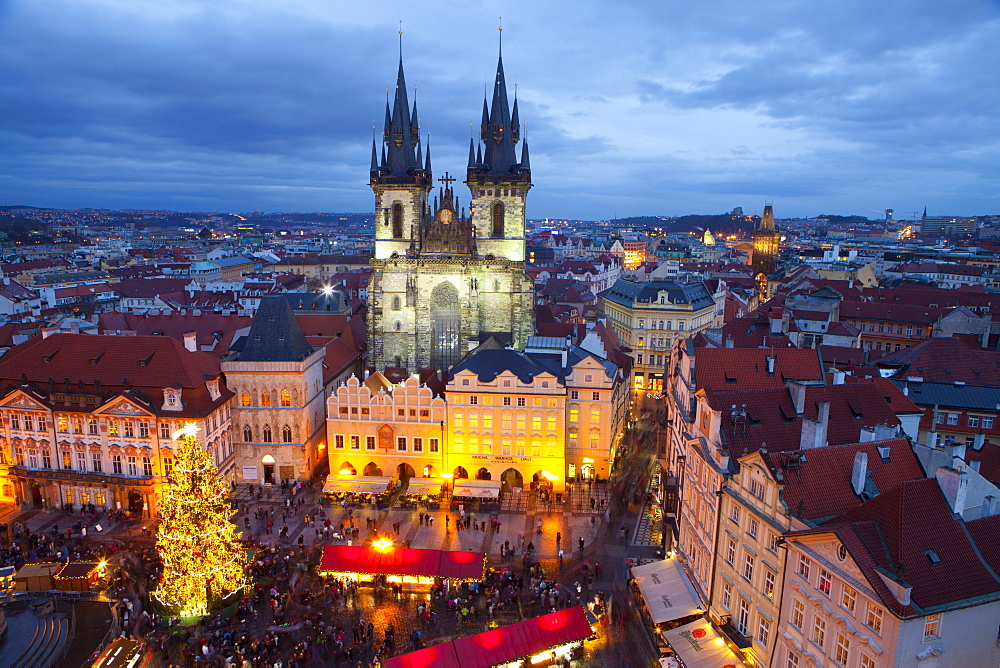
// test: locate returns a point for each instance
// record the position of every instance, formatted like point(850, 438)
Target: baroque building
point(443, 281)
point(89, 420)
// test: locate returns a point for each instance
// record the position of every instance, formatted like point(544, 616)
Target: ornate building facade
point(444, 281)
point(102, 434)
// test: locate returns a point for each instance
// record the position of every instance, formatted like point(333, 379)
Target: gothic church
point(444, 281)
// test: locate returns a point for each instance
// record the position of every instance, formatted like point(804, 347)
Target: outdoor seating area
point(365, 563)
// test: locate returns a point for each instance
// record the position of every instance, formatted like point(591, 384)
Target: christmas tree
point(203, 561)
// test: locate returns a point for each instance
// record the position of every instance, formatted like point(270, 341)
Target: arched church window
point(286, 434)
point(395, 303)
point(397, 220)
point(498, 219)
point(245, 398)
point(398, 326)
point(286, 398)
point(266, 434)
point(265, 398)
point(247, 434)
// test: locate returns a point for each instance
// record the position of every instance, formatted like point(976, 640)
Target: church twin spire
point(401, 150)
point(499, 131)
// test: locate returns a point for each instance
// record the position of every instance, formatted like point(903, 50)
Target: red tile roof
point(210, 328)
point(146, 364)
point(902, 313)
point(985, 531)
point(772, 422)
point(945, 360)
point(817, 485)
point(723, 369)
point(894, 532)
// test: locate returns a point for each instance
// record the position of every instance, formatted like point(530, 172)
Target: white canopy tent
point(665, 588)
point(700, 645)
point(479, 489)
point(358, 484)
point(423, 486)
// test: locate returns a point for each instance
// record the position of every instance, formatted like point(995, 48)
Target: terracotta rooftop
point(722, 369)
point(909, 533)
point(817, 482)
point(944, 360)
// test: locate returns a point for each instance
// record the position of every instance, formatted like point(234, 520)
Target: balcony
point(735, 637)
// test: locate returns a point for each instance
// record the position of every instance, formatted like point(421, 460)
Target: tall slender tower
point(443, 282)
point(766, 240)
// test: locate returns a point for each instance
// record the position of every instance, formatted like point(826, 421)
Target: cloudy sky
point(655, 107)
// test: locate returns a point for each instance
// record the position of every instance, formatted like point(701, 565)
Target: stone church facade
point(445, 280)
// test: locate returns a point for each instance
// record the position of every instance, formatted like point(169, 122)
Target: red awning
point(435, 656)
point(522, 639)
point(402, 561)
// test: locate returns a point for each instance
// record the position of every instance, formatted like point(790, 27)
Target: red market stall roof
point(502, 645)
point(435, 656)
point(402, 561)
point(522, 639)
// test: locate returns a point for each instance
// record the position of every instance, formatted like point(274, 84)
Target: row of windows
point(984, 421)
point(129, 465)
point(741, 618)
point(403, 444)
point(123, 428)
point(284, 398)
point(508, 447)
point(661, 324)
point(848, 596)
point(506, 382)
point(266, 435)
point(885, 328)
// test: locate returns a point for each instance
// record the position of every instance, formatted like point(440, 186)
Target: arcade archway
point(460, 472)
point(372, 469)
point(484, 474)
point(512, 478)
point(404, 471)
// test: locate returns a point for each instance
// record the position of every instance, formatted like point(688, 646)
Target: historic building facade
point(551, 414)
point(444, 281)
point(278, 407)
point(102, 434)
point(650, 317)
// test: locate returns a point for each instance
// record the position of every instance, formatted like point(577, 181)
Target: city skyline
point(191, 107)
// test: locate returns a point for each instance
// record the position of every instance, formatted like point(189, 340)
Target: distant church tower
point(442, 281)
point(765, 246)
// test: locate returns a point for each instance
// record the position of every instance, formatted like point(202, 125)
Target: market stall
point(541, 641)
point(411, 566)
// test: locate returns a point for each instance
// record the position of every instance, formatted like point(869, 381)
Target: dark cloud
point(630, 107)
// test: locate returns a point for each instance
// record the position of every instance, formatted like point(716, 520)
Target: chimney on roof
point(775, 325)
point(838, 377)
point(822, 422)
point(957, 449)
point(979, 440)
point(798, 392)
point(770, 365)
point(49, 331)
point(729, 342)
point(74, 327)
point(191, 341)
point(989, 506)
point(954, 483)
point(859, 472)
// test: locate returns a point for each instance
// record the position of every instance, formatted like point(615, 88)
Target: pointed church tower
point(401, 183)
point(443, 283)
point(499, 181)
point(766, 240)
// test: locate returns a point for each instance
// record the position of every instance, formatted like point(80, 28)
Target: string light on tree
point(203, 561)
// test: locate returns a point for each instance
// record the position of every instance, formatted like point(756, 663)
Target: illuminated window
point(574, 414)
point(521, 422)
point(843, 649)
point(536, 422)
point(768, 584)
point(62, 425)
point(473, 420)
point(487, 421)
point(265, 398)
point(245, 398)
point(458, 421)
point(874, 618)
point(505, 447)
point(506, 421)
point(77, 426)
point(67, 461)
point(825, 581)
point(112, 427)
point(849, 599)
point(286, 398)
point(595, 414)
point(932, 626)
